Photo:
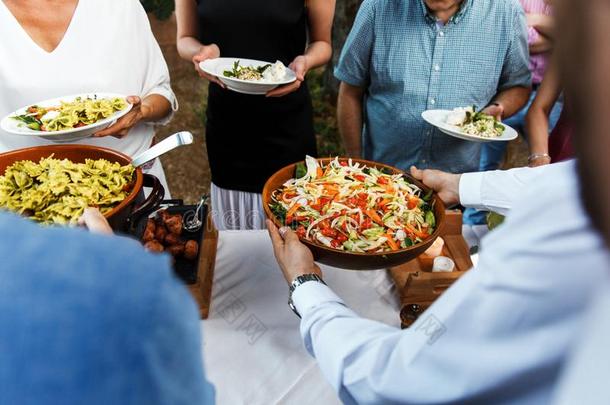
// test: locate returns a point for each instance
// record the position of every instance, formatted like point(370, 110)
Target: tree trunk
point(344, 18)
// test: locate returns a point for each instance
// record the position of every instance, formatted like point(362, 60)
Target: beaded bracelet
point(535, 156)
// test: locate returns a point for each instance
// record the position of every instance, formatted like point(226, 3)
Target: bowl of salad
point(355, 214)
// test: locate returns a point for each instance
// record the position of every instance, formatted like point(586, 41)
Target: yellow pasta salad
point(57, 191)
point(70, 114)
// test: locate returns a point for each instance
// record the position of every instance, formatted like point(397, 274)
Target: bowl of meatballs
point(165, 232)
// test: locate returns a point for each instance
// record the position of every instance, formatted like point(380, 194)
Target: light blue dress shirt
point(409, 64)
point(500, 334)
point(89, 319)
point(587, 374)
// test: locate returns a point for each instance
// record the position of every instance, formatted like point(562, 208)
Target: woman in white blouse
point(52, 48)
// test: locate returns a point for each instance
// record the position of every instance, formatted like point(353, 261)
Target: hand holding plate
point(121, 128)
point(207, 52)
point(299, 66)
point(495, 110)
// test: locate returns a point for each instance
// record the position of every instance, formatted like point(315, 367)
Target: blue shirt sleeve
point(91, 319)
point(516, 72)
point(354, 64)
point(174, 348)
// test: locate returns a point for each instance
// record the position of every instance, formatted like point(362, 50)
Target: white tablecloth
point(253, 352)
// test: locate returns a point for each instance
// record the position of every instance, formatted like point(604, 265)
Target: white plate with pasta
point(68, 118)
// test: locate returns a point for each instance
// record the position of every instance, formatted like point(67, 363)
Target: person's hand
point(300, 68)
point(206, 52)
point(446, 185)
point(539, 161)
point(294, 258)
point(495, 110)
point(535, 19)
point(122, 127)
point(93, 220)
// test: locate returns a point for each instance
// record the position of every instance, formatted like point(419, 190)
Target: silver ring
point(283, 231)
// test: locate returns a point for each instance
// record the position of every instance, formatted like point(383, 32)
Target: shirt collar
point(456, 18)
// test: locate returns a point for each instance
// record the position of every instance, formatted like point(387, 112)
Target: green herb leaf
point(300, 170)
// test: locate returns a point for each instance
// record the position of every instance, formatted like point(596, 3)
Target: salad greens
point(246, 72)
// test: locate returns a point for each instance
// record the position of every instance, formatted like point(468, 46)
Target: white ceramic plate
point(216, 67)
point(14, 127)
point(438, 118)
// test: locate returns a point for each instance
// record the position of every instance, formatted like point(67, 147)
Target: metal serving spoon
point(169, 143)
point(191, 220)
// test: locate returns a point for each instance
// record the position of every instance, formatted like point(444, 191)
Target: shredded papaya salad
point(352, 207)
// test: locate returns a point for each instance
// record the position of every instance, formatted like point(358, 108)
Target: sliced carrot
point(412, 230)
point(293, 210)
point(412, 203)
point(374, 216)
point(391, 242)
point(389, 189)
point(319, 172)
point(384, 202)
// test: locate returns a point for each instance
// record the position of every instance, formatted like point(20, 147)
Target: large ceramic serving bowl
point(78, 153)
point(357, 261)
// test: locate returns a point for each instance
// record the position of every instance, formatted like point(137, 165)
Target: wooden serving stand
point(202, 289)
point(418, 286)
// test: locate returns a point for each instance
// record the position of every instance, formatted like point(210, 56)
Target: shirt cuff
point(470, 189)
point(312, 294)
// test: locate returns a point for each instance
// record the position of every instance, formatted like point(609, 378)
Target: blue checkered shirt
point(409, 63)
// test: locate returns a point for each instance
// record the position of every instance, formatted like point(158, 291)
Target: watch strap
point(299, 280)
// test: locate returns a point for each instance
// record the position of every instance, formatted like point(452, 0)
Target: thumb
point(274, 234)
point(135, 100)
point(415, 172)
point(202, 55)
point(298, 66)
point(300, 71)
point(290, 236)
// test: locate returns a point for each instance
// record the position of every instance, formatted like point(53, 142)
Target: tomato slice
point(301, 231)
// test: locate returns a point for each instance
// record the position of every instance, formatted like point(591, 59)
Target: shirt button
point(432, 101)
point(441, 34)
point(437, 68)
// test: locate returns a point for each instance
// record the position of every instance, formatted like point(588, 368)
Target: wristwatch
point(302, 279)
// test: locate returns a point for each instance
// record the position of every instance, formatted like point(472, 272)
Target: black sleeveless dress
point(250, 137)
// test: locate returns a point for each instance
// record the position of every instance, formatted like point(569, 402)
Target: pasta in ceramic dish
point(57, 191)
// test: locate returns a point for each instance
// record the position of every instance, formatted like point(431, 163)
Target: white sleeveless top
point(108, 47)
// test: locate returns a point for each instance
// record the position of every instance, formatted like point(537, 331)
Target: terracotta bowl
point(358, 261)
point(78, 154)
